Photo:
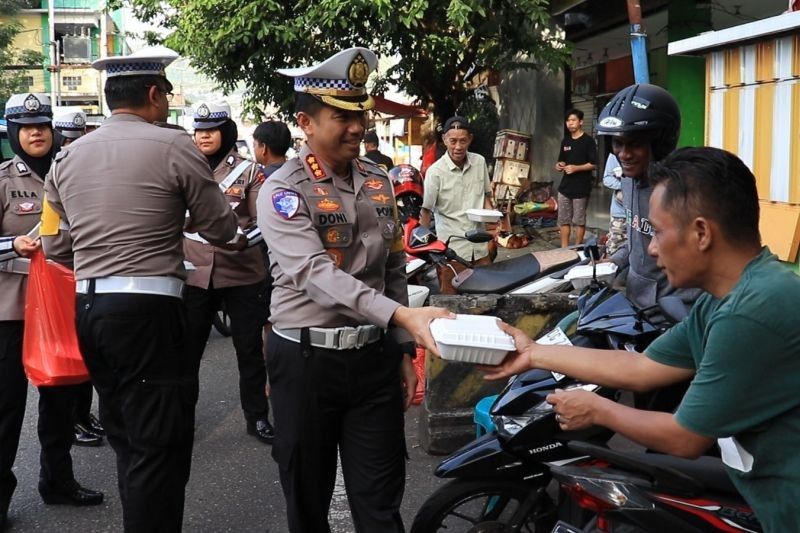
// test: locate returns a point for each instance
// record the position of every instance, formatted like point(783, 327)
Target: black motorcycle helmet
point(644, 108)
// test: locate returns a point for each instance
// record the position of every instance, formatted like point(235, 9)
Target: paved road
point(234, 485)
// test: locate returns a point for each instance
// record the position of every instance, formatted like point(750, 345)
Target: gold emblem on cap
point(358, 72)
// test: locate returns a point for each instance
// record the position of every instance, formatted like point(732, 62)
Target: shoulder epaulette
point(167, 125)
point(371, 165)
point(292, 171)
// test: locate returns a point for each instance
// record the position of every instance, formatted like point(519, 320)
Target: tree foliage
point(438, 44)
point(12, 80)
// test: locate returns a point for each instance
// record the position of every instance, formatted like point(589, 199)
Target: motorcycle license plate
point(552, 338)
point(563, 527)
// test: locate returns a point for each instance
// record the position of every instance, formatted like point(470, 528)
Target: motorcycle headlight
point(510, 425)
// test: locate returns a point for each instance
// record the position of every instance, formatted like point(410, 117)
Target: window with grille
point(71, 82)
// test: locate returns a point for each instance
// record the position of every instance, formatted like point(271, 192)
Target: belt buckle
point(349, 338)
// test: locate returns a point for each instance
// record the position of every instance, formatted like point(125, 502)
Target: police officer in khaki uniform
point(21, 192)
point(123, 192)
point(88, 430)
point(336, 255)
point(70, 126)
point(233, 278)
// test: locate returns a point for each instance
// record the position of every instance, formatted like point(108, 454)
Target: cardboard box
point(510, 172)
point(512, 145)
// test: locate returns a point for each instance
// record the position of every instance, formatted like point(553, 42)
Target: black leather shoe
point(95, 426)
point(70, 493)
point(85, 437)
point(262, 430)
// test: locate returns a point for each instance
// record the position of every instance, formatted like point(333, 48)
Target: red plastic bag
point(50, 352)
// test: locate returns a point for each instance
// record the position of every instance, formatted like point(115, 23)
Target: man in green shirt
point(740, 344)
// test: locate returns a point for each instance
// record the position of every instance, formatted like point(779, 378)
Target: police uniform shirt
point(21, 192)
point(227, 268)
point(336, 257)
point(124, 191)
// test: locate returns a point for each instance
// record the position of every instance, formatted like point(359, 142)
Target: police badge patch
point(286, 203)
point(32, 103)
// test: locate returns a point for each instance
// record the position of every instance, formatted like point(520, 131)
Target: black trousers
point(83, 403)
point(349, 401)
point(136, 349)
point(248, 312)
point(13, 392)
point(54, 425)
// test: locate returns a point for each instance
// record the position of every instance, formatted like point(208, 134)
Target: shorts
point(571, 211)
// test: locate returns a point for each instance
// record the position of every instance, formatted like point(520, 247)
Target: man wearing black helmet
point(644, 123)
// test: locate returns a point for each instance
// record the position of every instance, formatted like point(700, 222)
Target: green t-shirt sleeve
point(747, 377)
point(673, 348)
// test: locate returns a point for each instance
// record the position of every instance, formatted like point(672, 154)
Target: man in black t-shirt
point(577, 161)
point(371, 147)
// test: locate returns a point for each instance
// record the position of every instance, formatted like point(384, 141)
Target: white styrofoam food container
point(581, 275)
point(484, 215)
point(471, 339)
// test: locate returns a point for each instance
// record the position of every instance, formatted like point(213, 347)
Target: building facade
point(70, 34)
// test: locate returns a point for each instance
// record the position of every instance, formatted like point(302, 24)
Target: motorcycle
point(648, 492)
point(535, 272)
point(499, 480)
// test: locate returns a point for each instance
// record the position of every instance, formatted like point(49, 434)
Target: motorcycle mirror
point(478, 235)
point(591, 249)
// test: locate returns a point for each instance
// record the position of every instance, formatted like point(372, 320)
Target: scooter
point(499, 481)
point(536, 272)
point(651, 493)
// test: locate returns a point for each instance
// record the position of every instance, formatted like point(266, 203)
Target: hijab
point(39, 165)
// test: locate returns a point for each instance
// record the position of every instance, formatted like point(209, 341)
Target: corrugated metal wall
point(753, 110)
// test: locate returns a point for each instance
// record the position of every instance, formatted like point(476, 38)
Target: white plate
point(471, 339)
point(484, 215)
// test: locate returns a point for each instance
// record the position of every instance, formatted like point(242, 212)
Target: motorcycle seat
point(667, 473)
point(709, 471)
point(504, 276)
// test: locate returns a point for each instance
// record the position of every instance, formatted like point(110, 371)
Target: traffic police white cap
point(29, 108)
point(339, 81)
point(209, 115)
point(151, 60)
point(71, 125)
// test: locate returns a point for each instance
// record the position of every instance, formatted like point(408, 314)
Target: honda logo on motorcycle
point(545, 448)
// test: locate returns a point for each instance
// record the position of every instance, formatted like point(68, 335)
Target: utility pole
point(51, 33)
point(103, 54)
point(641, 70)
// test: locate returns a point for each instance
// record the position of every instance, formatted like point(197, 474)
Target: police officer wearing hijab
point(70, 126)
point(338, 356)
point(233, 278)
point(88, 430)
point(21, 193)
point(123, 192)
